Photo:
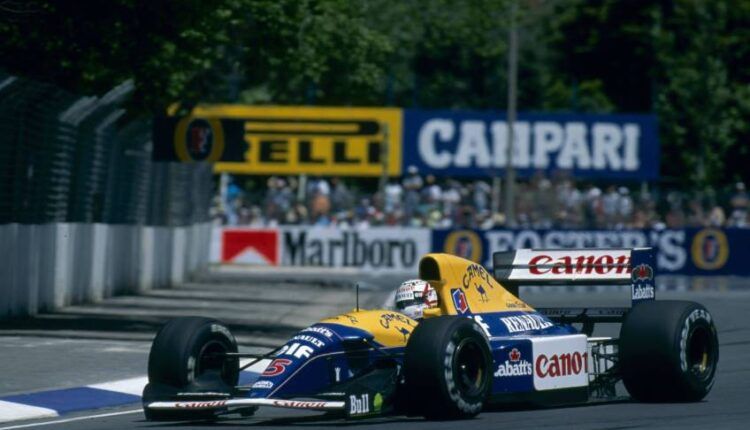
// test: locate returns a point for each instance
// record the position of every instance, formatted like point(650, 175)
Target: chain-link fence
point(68, 158)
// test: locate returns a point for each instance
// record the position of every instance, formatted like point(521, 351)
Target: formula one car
point(481, 346)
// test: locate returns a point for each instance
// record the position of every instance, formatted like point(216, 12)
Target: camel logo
point(482, 293)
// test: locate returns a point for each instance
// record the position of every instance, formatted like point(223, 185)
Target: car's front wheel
point(447, 368)
point(188, 356)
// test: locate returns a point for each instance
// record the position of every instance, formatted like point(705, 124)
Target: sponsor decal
point(201, 405)
point(296, 350)
point(377, 249)
point(265, 385)
point(359, 405)
point(642, 272)
point(320, 330)
point(299, 404)
point(710, 249)
point(560, 362)
point(250, 246)
point(643, 292)
point(377, 403)
point(527, 322)
point(276, 367)
point(459, 301)
point(198, 139)
point(477, 274)
point(515, 365)
point(465, 244)
point(387, 319)
point(642, 287)
point(582, 264)
point(311, 339)
point(483, 325)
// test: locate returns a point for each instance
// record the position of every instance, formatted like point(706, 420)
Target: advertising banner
point(376, 248)
point(276, 140)
point(474, 144)
point(702, 252)
point(686, 251)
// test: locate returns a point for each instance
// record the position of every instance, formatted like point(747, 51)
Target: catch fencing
point(84, 212)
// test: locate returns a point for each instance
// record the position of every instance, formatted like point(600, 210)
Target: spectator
point(413, 201)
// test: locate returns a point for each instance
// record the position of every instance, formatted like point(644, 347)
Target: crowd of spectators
point(424, 201)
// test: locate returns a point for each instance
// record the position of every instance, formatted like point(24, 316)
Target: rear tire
point(669, 351)
point(447, 368)
point(186, 357)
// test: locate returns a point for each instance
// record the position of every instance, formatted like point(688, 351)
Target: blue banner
point(708, 251)
point(474, 144)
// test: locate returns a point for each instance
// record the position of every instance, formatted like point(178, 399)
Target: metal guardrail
point(68, 158)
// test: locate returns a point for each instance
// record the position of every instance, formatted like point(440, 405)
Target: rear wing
point(532, 267)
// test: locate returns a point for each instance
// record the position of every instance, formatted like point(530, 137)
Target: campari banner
point(706, 251)
point(475, 144)
point(346, 141)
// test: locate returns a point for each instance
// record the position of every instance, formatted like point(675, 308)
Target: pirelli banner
point(363, 141)
point(284, 140)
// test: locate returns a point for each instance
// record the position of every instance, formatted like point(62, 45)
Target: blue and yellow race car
point(480, 346)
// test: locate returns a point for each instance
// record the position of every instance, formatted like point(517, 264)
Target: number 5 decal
point(277, 367)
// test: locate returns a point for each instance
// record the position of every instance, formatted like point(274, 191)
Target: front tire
point(669, 351)
point(447, 368)
point(187, 356)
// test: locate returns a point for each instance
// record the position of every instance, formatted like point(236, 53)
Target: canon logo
point(561, 364)
point(299, 404)
point(602, 265)
point(202, 405)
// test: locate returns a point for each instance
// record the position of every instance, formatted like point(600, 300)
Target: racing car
point(480, 346)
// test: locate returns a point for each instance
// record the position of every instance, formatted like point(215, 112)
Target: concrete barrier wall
point(49, 266)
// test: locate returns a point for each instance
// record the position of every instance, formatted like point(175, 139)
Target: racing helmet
point(414, 296)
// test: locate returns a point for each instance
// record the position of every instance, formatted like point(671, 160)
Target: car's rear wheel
point(669, 351)
point(447, 368)
point(188, 355)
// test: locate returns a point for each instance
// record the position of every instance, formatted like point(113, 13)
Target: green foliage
point(685, 60)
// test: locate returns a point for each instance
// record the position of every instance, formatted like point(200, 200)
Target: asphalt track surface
point(726, 406)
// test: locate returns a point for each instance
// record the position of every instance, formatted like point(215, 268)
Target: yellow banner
point(313, 140)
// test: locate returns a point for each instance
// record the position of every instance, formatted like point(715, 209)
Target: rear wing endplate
point(537, 267)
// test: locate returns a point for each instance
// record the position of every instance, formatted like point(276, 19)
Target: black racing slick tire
point(669, 351)
point(187, 355)
point(447, 368)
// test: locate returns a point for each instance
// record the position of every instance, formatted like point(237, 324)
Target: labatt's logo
point(556, 365)
point(566, 265)
point(514, 366)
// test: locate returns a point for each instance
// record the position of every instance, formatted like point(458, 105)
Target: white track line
point(68, 420)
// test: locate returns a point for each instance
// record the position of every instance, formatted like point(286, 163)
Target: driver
point(415, 295)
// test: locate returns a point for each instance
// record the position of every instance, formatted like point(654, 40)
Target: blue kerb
point(74, 399)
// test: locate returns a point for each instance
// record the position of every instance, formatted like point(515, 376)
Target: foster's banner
point(707, 251)
point(474, 144)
